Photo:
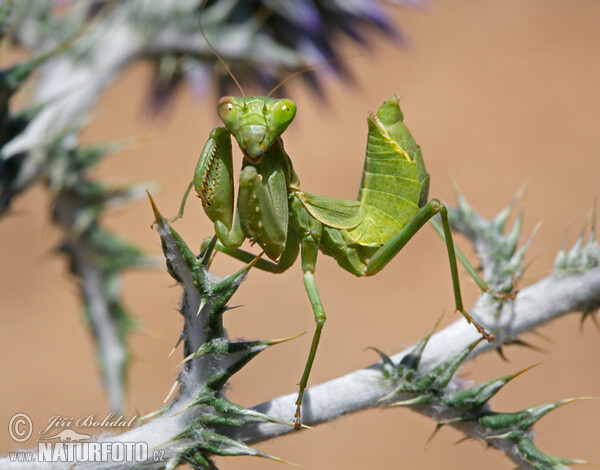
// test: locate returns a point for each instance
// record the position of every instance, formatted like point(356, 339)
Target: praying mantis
point(362, 235)
point(272, 210)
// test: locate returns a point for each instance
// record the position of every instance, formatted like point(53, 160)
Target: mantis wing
point(333, 212)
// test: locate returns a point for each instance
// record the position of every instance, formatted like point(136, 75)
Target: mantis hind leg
point(390, 249)
point(501, 296)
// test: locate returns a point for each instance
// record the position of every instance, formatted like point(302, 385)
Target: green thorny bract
point(210, 358)
point(468, 405)
point(581, 257)
point(96, 256)
point(12, 79)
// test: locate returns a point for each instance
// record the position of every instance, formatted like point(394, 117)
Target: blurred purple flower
point(309, 29)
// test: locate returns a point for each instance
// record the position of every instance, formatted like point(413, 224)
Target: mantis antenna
point(215, 51)
point(285, 80)
point(311, 67)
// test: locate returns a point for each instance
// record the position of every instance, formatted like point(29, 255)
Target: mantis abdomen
point(394, 182)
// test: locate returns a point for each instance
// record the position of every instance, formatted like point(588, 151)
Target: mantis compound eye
point(228, 111)
point(283, 114)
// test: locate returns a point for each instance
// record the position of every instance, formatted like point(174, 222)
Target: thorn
point(522, 191)
point(520, 342)
point(437, 323)
point(171, 391)
point(563, 245)
point(593, 316)
point(529, 263)
point(534, 232)
point(272, 342)
point(583, 462)
point(234, 307)
point(201, 306)
point(176, 345)
point(277, 459)
point(207, 251)
point(542, 336)
point(502, 217)
point(593, 227)
point(566, 401)
point(506, 435)
point(413, 358)
point(213, 255)
point(386, 397)
point(460, 441)
point(384, 357)
point(246, 268)
point(185, 408)
point(438, 426)
point(584, 228)
point(500, 352)
point(187, 359)
point(255, 260)
point(522, 371)
point(158, 216)
point(454, 184)
point(291, 423)
point(463, 206)
point(412, 401)
point(151, 415)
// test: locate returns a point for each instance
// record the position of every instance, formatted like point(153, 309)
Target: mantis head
point(256, 122)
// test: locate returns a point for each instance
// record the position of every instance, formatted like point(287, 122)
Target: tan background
point(496, 93)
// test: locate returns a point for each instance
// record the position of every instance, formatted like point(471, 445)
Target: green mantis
point(272, 210)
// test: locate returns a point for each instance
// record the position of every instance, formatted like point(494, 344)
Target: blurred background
point(497, 94)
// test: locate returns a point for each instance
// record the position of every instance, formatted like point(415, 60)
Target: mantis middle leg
point(306, 235)
point(287, 259)
point(309, 231)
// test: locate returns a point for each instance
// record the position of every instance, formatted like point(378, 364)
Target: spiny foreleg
point(213, 182)
point(259, 216)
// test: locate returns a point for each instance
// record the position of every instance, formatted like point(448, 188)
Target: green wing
point(333, 212)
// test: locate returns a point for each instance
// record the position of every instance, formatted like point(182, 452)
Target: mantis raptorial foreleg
point(213, 182)
point(259, 212)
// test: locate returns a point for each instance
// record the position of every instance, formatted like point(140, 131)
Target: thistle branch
point(420, 377)
point(550, 298)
